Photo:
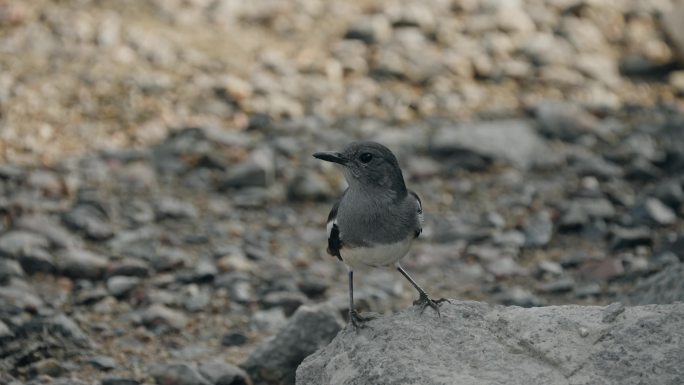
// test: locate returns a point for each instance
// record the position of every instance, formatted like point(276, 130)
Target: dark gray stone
point(256, 171)
point(49, 228)
point(234, 338)
point(512, 141)
point(219, 372)
point(102, 362)
point(171, 208)
point(478, 343)
point(161, 318)
point(119, 381)
point(90, 219)
point(79, 263)
point(625, 238)
point(667, 286)
point(275, 360)
point(60, 324)
point(16, 243)
point(120, 285)
point(539, 229)
point(176, 374)
point(564, 121)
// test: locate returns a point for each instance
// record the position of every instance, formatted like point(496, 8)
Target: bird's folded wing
point(334, 241)
point(420, 212)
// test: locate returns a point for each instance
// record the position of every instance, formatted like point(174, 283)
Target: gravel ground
point(161, 216)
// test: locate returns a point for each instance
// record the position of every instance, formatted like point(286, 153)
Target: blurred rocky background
point(162, 219)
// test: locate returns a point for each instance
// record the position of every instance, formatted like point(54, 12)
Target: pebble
point(89, 219)
point(103, 363)
point(511, 141)
point(560, 285)
point(256, 171)
point(539, 230)
point(219, 372)
point(13, 244)
point(79, 263)
point(176, 374)
point(161, 318)
point(625, 238)
point(119, 381)
point(120, 285)
point(234, 338)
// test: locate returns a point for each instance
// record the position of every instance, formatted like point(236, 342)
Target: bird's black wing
point(334, 241)
point(420, 213)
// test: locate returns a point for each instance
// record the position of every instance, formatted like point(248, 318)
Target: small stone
point(370, 29)
point(170, 208)
point(57, 325)
point(313, 287)
point(130, 267)
point(588, 290)
point(612, 311)
point(48, 366)
point(550, 267)
point(13, 244)
point(583, 332)
point(5, 331)
point(90, 219)
point(162, 318)
point(102, 362)
point(539, 230)
point(309, 186)
point(37, 261)
point(49, 228)
point(256, 171)
point(602, 270)
point(625, 238)
point(9, 268)
point(197, 301)
point(219, 372)
point(270, 320)
point(234, 338)
point(288, 300)
point(564, 121)
point(176, 374)
point(560, 285)
point(658, 212)
point(119, 381)
point(118, 286)
point(79, 263)
point(517, 296)
point(512, 141)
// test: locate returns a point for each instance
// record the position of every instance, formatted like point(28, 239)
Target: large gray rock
point(309, 329)
point(666, 286)
point(476, 343)
point(511, 141)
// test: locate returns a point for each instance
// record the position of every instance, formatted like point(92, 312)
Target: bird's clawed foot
point(424, 301)
point(357, 320)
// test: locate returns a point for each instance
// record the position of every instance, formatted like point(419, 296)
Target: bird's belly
point(376, 255)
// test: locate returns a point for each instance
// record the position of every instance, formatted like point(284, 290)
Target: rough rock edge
point(476, 343)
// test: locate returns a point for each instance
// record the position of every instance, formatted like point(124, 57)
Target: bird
point(376, 219)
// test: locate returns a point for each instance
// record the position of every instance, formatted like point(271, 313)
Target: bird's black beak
point(331, 156)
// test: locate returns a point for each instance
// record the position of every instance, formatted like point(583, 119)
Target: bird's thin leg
point(423, 300)
point(354, 317)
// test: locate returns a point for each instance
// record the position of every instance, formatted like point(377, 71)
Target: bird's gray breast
point(366, 221)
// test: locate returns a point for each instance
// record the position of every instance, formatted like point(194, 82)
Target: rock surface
point(476, 343)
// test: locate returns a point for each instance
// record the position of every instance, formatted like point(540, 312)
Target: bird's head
point(368, 165)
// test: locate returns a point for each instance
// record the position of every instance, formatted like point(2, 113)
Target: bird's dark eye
point(366, 157)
